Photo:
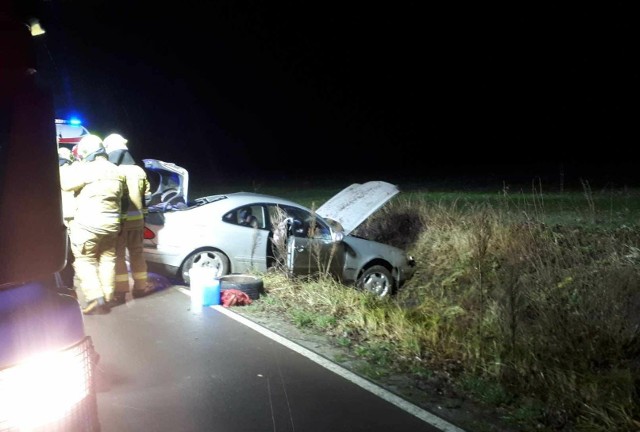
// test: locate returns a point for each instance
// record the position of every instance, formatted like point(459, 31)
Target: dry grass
point(541, 319)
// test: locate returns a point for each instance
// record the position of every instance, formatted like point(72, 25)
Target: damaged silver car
point(242, 232)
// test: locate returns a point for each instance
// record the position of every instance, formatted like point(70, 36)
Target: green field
point(581, 204)
point(526, 300)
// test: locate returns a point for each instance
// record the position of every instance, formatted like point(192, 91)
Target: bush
point(545, 315)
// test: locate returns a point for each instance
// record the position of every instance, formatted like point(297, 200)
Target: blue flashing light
point(73, 121)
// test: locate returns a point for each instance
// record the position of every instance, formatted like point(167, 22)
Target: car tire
point(206, 258)
point(251, 285)
point(377, 280)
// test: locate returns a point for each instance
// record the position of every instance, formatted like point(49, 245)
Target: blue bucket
point(212, 293)
point(205, 287)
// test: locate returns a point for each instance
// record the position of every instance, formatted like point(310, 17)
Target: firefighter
point(131, 237)
point(101, 194)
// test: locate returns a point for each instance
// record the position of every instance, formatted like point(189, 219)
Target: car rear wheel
point(207, 258)
point(377, 280)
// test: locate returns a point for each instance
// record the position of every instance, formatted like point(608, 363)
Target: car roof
point(238, 199)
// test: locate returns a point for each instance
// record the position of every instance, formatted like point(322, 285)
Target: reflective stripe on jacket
point(138, 186)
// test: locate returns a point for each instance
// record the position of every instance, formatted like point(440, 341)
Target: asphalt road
point(165, 367)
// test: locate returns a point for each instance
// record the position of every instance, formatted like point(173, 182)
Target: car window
point(69, 134)
point(70, 130)
point(318, 229)
point(300, 223)
point(252, 216)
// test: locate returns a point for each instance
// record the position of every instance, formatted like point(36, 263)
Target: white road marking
point(422, 414)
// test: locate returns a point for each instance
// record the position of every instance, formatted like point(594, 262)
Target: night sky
point(355, 90)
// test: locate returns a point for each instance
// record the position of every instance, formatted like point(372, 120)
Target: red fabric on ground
point(234, 297)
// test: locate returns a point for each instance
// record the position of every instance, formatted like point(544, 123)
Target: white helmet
point(115, 142)
point(65, 154)
point(89, 147)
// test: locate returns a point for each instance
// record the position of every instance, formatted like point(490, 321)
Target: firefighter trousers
point(94, 262)
point(129, 246)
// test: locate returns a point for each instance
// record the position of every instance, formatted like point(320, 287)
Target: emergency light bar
point(73, 121)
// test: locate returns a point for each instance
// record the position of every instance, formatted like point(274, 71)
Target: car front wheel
point(376, 280)
point(208, 258)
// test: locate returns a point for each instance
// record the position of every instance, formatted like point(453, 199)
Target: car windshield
point(69, 134)
point(70, 130)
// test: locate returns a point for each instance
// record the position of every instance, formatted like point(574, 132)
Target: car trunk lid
point(172, 184)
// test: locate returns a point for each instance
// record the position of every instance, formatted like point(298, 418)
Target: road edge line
point(383, 393)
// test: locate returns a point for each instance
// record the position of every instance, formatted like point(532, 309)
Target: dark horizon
point(292, 91)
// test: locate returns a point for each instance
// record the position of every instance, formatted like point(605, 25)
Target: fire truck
point(47, 361)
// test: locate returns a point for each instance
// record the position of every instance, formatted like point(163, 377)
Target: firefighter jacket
point(138, 186)
point(68, 199)
point(101, 194)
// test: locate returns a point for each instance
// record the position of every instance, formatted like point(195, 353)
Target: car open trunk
point(171, 183)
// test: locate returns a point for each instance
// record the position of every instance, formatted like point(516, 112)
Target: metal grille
point(81, 416)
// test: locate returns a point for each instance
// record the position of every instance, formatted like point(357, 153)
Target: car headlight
point(47, 388)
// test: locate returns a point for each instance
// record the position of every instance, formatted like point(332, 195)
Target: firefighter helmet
point(115, 142)
point(64, 156)
point(89, 147)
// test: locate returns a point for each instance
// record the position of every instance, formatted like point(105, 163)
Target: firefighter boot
point(117, 299)
point(96, 306)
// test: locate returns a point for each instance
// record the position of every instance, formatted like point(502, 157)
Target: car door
point(309, 245)
point(247, 245)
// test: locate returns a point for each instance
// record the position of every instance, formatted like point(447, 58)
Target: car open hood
point(173, 181)
point(354, 204)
